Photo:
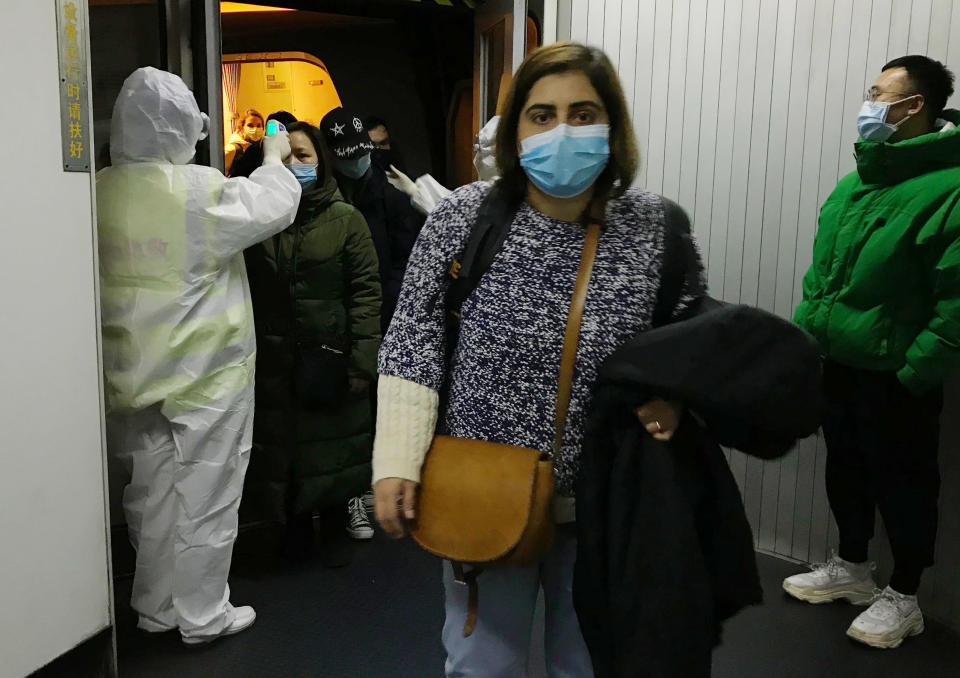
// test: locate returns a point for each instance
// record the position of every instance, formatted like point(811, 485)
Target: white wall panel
point(674, 132)
point(579, 13)
point(656, 146)
point(612, 30)
point(709, 104)
point(745, 113)
point(643, 79)
point(629, 46)
point(918, 36)
point(691, 116)
point(54, 570)
point(939, 35)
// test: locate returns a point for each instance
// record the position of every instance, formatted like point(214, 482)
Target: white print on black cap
point(337, 130)
point(357, 125)
point(348, 151)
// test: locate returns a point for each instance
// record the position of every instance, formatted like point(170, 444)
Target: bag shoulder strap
point(490, 229)
point(678, 270)
point(568, 358)
point(571, 339)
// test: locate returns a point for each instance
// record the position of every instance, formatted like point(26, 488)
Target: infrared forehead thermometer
point(274, 126)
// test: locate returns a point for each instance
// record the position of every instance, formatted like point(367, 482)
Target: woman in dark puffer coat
point(316, 298)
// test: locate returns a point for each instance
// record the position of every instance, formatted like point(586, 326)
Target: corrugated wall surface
point(745, 113)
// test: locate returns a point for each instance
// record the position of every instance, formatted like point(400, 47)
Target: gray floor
point(381, 617)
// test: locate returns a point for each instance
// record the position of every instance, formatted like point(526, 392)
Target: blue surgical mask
point(565, 161)
point(872, 121)
point(355, 168)
point(305, 174)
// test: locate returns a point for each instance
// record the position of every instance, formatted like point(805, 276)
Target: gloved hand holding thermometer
point(276, 143)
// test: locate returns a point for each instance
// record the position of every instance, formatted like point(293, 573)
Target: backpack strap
point(678, 270)
point(486, 238)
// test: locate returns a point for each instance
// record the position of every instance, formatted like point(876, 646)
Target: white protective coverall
point(426, 192)
point(178, 344)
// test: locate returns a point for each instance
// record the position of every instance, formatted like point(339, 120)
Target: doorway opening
point(411, 63)
point(407, 63)
point(296, 82)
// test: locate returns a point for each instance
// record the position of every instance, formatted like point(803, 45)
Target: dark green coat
point(316, 282)
point(883, 292)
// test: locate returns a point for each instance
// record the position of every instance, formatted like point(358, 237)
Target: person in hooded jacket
point(883, 298)
point(426, 192)
point(249, 130)
point(178, 346)
point(385, 153)
point(393, 223)
point(252, 157)
point(316, 298)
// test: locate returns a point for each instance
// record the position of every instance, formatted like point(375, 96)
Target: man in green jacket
point(883, 298)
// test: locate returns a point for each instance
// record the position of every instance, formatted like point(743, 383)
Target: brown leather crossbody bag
point(486, 505)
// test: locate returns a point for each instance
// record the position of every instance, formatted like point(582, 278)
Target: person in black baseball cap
point(349, 142)
point(393, 222)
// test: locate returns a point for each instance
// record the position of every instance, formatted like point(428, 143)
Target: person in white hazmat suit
point(426, 192)
point(178, 346)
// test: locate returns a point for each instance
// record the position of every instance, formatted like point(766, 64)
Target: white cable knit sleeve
point(406, 421)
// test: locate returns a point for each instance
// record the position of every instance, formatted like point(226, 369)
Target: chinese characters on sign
point(75, 122)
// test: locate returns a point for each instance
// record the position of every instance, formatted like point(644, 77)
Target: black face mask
point(382, 158)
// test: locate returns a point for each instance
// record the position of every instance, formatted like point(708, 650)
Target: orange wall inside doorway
point(300, 87)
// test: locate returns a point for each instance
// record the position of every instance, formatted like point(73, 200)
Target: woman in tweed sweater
point(567, 156)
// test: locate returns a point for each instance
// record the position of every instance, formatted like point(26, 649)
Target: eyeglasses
point(872, 94)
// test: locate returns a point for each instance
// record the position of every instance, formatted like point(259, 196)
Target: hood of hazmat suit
point(485, 151)
point(178, 345)
point(177, 324)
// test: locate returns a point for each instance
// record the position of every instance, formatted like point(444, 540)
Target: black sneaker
point(369, 503)
point(358, 524)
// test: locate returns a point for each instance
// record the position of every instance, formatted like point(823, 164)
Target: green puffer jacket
point(883, 292)
point(315, 283)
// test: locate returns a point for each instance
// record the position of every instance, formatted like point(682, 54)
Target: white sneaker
point(832, 580)
point(369, 502)
point(358, 524)
point(243, 618)
point(891, 618)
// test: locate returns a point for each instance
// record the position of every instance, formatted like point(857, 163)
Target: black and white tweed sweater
point(504, 372)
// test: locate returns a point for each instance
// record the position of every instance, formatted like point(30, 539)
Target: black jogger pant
point(882, 444)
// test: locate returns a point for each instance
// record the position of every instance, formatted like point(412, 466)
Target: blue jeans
point(500, 645)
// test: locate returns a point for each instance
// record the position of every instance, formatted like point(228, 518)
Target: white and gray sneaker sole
point(887, 641)
point(853, 594)
point(243, 622)
point(361, 534)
